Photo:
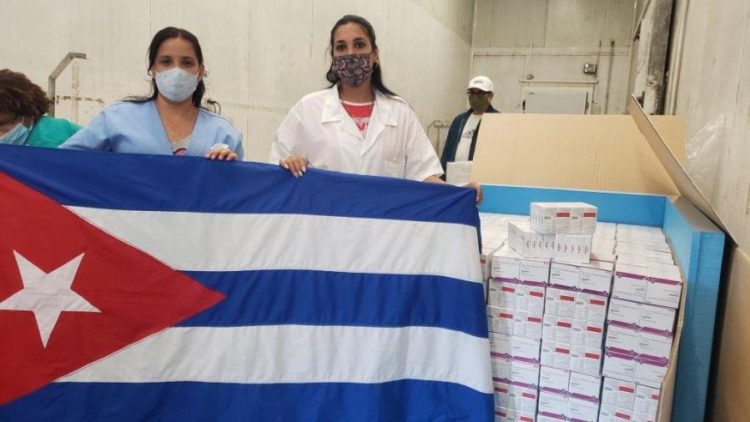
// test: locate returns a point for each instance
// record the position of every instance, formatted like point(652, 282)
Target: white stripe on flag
point(298, 354)
point(235, 242)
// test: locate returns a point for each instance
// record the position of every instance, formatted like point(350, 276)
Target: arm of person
point(288, 133)
point(477, 187)
point(92, 137)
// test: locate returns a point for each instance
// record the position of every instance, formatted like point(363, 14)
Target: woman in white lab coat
point(357, 125)
point(171, 120)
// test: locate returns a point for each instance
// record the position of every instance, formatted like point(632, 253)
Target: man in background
point(462, 136)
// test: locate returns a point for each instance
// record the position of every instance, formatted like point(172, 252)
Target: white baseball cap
point(482, 82)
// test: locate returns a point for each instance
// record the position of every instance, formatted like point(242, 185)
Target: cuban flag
point(138, 287)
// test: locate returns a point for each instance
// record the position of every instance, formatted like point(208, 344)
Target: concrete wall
point(523, 43)
point(262, 56)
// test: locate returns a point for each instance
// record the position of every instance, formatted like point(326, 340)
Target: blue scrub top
point(136, 128)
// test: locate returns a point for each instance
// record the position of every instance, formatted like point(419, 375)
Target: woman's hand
point(221, 152)
point(296, 165)
point(473, 185)
point(477, 187)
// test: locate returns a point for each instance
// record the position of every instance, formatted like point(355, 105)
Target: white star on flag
point(47, 294)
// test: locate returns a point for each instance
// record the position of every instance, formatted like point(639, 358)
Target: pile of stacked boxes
point(568, 344)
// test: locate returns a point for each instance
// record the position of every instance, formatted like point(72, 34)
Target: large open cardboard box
point(629, 166)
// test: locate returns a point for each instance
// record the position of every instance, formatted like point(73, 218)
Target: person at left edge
point(23, 114)
point(171, 120)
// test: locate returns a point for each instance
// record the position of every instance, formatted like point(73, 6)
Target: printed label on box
point(646, 402)
point(586, 361)
point(582, 409)
point(561, 302)
point(614, 414)
point(619, 366)
point(527, 325)
point(590, 307)
point(556, 355)
point(622, 340)
point(553, 403)
point(587, 334)
point(536, 271)
point(618, 393)
point(524, 348)
point(502, 294)
point(596, 279)
point(502, 394)
point(554, 379)
point(501, 320)
point(500, 345)
point(524, 373)
point(583, 385)
point(558, 329)
point(565, 275)
point(650, 373)
point(523, 398)
point(530, 299)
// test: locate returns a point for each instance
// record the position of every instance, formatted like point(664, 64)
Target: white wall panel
point(261, 56)
point(565, 35)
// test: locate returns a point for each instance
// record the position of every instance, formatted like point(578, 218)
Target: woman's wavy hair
point(20, 97)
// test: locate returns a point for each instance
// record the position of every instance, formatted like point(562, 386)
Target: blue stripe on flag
point(107, 180)
point(330, 298)
point(191, 401)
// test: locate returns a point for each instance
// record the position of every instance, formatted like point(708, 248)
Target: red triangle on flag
point(135, 294)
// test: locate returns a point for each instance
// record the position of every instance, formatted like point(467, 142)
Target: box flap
point(603, 152)
point(671, 164)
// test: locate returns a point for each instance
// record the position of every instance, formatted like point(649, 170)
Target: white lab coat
point(319, 129)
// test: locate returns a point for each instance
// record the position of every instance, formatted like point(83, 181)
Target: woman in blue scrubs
point(171, 120)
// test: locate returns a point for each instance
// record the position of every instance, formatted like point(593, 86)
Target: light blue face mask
point(176, 84)
point(16, 136)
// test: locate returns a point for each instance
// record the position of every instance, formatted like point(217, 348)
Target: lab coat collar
point(382, 115)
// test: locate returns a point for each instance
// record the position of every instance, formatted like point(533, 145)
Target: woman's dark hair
point(377, 75)
point(161, 36)
point(21, 97)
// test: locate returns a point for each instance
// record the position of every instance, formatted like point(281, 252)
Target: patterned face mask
point(352, 69)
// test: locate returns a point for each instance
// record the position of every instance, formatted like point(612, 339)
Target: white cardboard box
point(644, 344)
point(573, 248)
point(555, 379)
point(522, 398)
point(585, 386)
point(639, 315)
point(515, 323)
point(646, 403)
point(514, 371)
point(576, 305)
point(578, 359)
point(517, 296)
point(529, 243)
point(614, 414)
point(580, 409)
point(512, 415)
point(587, 334)
point(565, 275)
point(596, 277)
point(630, 367)
point(648, 285)
point(502, 345)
